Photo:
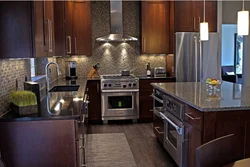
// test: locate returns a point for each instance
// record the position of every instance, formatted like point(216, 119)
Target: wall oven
point(175, 141)
point(120, 104)
point(158, 121)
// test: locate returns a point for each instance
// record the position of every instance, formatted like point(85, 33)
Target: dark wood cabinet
point(74, 31)
point(40, 143)
point(155, 27)
point(27, 29)
point(16, 38)
point(44, 33)
point(94, 107)
point(194, 140)
point(247, 153)
point(145, 101)
point(189, 15)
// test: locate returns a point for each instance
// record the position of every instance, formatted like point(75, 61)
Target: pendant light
point(204, 35)
point(243, 21)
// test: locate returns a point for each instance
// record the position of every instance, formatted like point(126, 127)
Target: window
point(32, 67)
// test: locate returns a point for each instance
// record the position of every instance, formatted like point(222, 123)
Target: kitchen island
point(206, 115)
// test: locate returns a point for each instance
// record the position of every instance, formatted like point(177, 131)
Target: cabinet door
point(59, 26)
point(38, 10)
point(16, 38)
point(247, 153)
point(155, 27)
point(185, 16)
point(49, 27)
point(82, 32)
point(94, 107)
point(211, 15)
point(194, 140)
point(69, 7)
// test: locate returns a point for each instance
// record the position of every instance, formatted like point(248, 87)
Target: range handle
point(178, 129)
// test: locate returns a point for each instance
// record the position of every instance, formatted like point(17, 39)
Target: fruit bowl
point(213, 84)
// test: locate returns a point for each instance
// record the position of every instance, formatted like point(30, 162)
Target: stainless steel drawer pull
point(151, 110)
point(156, 128)
point(157, 99)
point(189, 116)
point(178, 129)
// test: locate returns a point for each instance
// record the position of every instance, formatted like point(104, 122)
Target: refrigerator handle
point(196, 59)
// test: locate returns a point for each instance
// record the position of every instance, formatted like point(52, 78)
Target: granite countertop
point(152, 77)
point(57, 105)
point(230, 97)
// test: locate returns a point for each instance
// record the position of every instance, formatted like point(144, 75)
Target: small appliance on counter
point(160, 72)
point(70, 70)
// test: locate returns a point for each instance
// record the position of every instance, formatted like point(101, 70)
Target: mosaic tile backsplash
point(10, 71)
point(114, 57)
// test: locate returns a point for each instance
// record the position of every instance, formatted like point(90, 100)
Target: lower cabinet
point(47, 143)
point(194, 140)
point(94, 96)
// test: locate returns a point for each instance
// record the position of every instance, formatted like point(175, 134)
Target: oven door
point(174, 141)
point(120, 104)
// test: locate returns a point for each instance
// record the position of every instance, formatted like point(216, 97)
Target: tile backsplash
point(10, 71)
point(114, 57)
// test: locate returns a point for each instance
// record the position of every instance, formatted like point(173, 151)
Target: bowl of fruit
point(213, 83)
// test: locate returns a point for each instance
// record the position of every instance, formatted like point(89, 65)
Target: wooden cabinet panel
point(189, 14)
point(82, 32)
point(59, 26)
point(75, 34)
point(38, 10)
point(39, 143)
point(94, 107)
point(211, 15)
point(236, 128)
point(49, 27)
point(194, 117)
point(184, 16)
point(194, 140)
point(247, 153)
point(155, 27)
point(16, 29)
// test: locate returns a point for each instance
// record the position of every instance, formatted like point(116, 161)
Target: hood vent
point(116, 32)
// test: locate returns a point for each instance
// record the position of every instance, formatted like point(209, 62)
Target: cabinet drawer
point(193, 116)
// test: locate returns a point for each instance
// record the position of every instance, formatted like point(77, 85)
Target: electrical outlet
point(49, 70)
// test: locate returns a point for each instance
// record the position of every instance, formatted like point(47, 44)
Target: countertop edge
point(199, 108)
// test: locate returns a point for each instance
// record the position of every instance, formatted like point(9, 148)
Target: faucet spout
point(47, 73)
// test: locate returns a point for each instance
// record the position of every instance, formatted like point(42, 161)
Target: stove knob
point(134, 84)
point(105, 85)
point(110, 85)
point(124, 86)
point(129, 84)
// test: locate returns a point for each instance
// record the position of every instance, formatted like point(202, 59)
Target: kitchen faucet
point(47, 75)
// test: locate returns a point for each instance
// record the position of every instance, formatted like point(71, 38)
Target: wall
point(10, 70)
point(228, 31)
point(229, 16)
point(114, 57)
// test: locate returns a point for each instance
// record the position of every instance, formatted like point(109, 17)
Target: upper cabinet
point(44, 34)
point(155, 27)
point(73, 26)
point(26, 29)
point(189, 14)
point(15, 29)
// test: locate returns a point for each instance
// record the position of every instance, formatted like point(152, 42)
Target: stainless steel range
point(120, 97)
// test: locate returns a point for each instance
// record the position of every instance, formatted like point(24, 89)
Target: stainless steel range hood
point(116, 32)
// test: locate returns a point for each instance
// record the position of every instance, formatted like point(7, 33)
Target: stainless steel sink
point(72, 88)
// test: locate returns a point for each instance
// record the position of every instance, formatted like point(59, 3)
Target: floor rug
point(109, 150)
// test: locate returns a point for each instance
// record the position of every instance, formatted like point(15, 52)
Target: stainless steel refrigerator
point(197, 60)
